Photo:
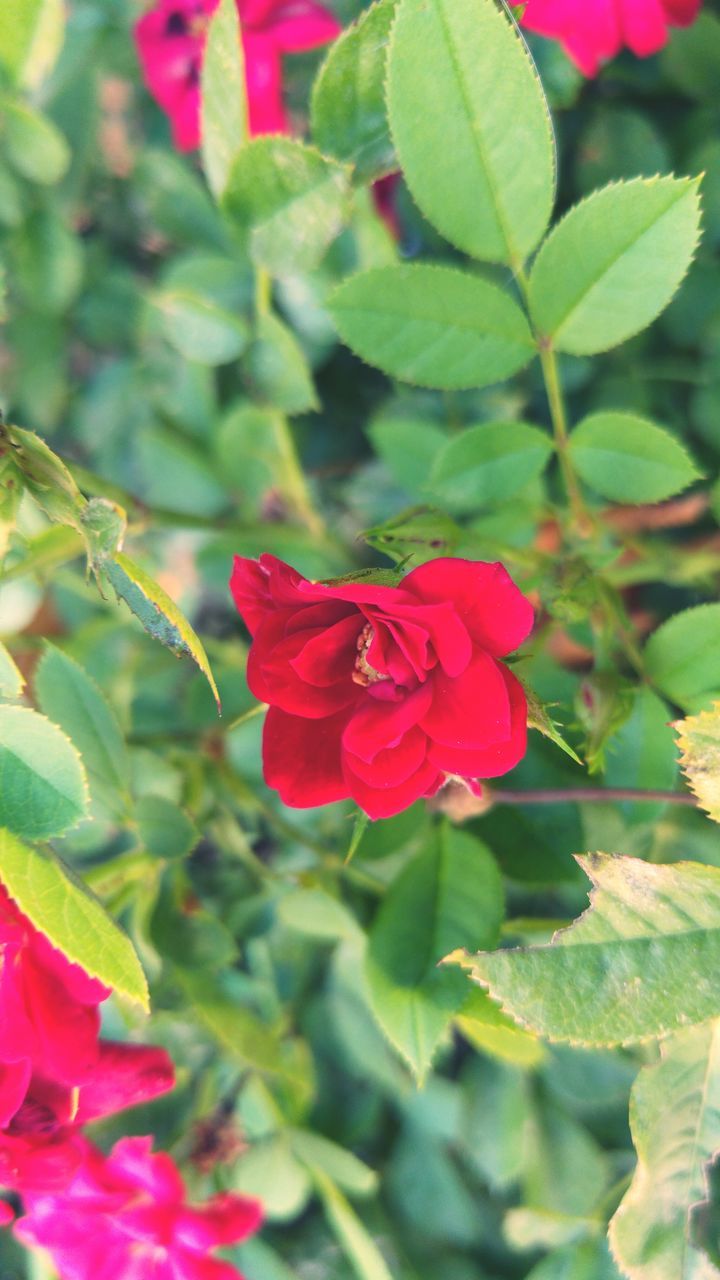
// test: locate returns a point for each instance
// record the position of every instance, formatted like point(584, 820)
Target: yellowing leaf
point(699, 743)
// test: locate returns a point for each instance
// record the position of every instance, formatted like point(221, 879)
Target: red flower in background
point(380, 693)
point(593, 31)
point(55, 1073)
point(125, 1217)
point(171, 42)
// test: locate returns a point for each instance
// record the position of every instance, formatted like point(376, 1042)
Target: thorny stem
point(585, 795)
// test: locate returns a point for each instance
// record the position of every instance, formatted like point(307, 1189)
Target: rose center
point(363, 673)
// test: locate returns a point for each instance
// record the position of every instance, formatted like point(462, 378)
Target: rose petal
point(378, 724)
point(301, 758)
point(496, 614)
point(471, 711)
point(388, 802)
point(496, 758)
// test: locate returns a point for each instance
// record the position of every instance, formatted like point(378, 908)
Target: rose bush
point(379, 692)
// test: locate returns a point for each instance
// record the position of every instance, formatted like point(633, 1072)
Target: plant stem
point(585, 795)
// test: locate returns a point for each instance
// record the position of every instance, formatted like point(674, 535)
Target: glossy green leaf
point(165, 830)
point(71, 918)
point(448, 893)
point(471, 126)
point(289, 200)
point(12, 681)
point(675, 1118)
point(614, 262)
point(35, 147)
point(699, 743)
point(488, 464)
point(639, 963)
point(681, 657)
point(277, 368)
point(223, 95)
point(31, 33)
point(348, 116)
point(435, 326)
point(199, 329)
point(158, 614)
point(70, 698)
point(628, 459)
point(43, 789)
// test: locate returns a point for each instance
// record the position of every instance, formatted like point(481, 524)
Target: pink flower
point(125, 1217)
point(380, 693)
point(593, 31)
point(171, 41)
point(55, 1074)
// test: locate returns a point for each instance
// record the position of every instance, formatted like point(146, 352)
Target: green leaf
point(223, 96)
point(71, 699)
point(31, 34)
point(35, 146)
point(419, 532)
point(318, 915)
point(408, 446)
point(45, 475)
point(451, 892)
point(614, 262)
point(628, 459)
point(316, 1151)
point(165, 830)
point(681, 656)
point(237, 1030)
point(354, 1239)
point(158, 614)
point(71, 918)
point(435, 326)
point(699, 743)
point(471, 126)
point(277, 368)
point(199, 329)
point(492, 1032)
point(488, 464)
point(289, 200)
point(348, 114)
point(12, 680)
point(590, 1260)
point(270, 1171)
point(675, 1119)
point(43, 790)
point(640, 962)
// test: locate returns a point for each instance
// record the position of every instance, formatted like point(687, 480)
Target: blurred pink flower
point(171, 41)
point(125, 1217)
point(593, 31)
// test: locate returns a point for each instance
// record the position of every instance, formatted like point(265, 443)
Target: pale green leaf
point(199, 329)
point(270, 1171)
point(471, 126)
point(699, 743)
point(432, 325)
point(640, 962)
point(355, 1241)
point(484, 1025)
point(34, 145)
point(488, 464)
point(348, 114)
point(70, 698)
point(614, 262)
point(675, 1119)
point(164, 829)
point(681, 657)
point(345, 1169)
point(238, 1031)
point(158, 614)
point(277, 368)
point(71, 918)
point(289, 200)
point(318, 915)
point(12, 680)
point(43, 789)
point(31, 35)
point(629, 459)
point(408, 446)
point(449, 893)
point(223, 96)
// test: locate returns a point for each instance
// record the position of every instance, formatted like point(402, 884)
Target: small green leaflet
point(681, 657)
point(72, 920)
point(614, 262)
point(164, 829)
point(432, 325)
point(31, 35)
point(675, 1120)
point(629, 459)
point(43, 788)
point(199, 329)
point(699, 743)
point(158, 614)
point(34, 145)
point(488, 464)
point(639, 963)
point(223, 95)
point(471, 126)
point(12, 681)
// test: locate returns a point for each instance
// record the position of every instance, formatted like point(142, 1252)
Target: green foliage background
point(391, 1118)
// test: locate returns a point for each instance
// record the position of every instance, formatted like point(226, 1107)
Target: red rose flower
point(593, 31)
point(381, 693)
point(171, 44)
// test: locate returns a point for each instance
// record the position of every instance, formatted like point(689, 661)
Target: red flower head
point(171, 42)
point(125, 1217)
point(380, 693)
point(593, 31)
point(54, 1072)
